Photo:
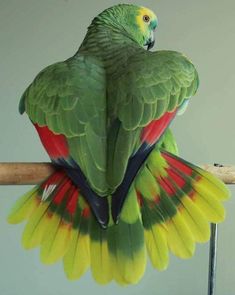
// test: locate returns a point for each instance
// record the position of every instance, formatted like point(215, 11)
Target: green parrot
point(120, 193)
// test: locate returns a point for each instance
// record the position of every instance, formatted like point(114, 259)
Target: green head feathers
point(136, 22)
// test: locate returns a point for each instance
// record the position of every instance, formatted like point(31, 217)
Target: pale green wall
point(36, 33)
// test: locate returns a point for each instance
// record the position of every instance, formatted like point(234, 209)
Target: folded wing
point(144, 98)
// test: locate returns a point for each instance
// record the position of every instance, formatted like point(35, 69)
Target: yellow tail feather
point(101, 266)
point(23, 207)
point(195, 219)
point(55, 240)
point(180, 239)
point(77, 258)
point(35, 227)
point(157, 247)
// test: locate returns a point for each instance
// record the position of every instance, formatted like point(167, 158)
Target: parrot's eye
point(146, 18)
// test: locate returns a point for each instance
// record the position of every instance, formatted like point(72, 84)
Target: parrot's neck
point(110, 46)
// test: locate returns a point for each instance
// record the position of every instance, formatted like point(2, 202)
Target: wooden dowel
point(24, 173)
point(33, 173)
point(224, 173)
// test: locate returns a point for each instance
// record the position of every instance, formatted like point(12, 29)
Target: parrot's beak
point(151, 41)
point(150, 45)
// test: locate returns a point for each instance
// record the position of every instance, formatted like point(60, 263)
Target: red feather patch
point(153, 131)
point(55, 144)
point(167, 186)
point(64, 191)
point(72, 203)
point(177, 164)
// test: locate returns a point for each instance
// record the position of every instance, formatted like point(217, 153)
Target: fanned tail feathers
point(168, 208)
point(60, 221)
point(184, 202)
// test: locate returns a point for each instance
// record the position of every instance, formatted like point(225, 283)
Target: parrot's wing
point(67, 104)
point(154, 83)
point(69, 98)
point(145, 95)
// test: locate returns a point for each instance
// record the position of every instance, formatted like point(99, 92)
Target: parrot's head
point(146, 22)
point(136, 22)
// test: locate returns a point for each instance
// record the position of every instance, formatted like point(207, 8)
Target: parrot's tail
point(168, 207)
point(60, 221)
point(178, 200)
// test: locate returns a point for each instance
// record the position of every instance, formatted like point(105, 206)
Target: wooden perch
point(24, 173)
point(224, 173)
point(33, 173)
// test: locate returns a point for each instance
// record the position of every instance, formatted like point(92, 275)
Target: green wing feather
point(168, 142)
point(151, 84)
point(155, 83)
point(70, 98)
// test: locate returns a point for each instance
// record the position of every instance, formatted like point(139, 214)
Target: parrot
point(120, 194)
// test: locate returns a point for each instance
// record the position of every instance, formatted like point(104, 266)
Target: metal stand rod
point(212, 259)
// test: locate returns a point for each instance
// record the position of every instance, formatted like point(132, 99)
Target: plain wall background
point(36, 33)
